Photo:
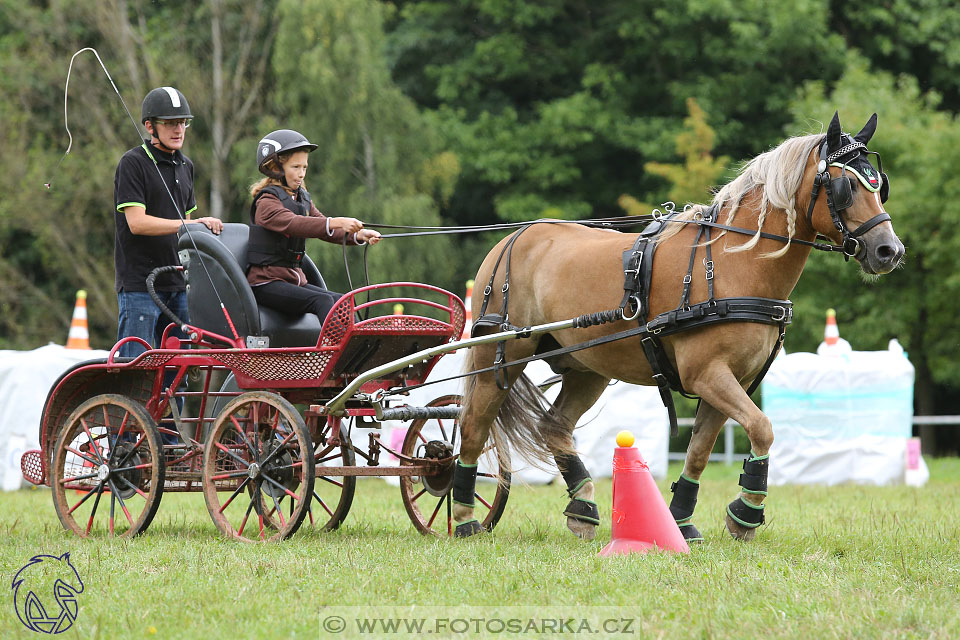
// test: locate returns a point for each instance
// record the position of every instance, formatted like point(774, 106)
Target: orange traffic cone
point(831, 334)
point(641, 519)
point(79, 338)
point(468, 323)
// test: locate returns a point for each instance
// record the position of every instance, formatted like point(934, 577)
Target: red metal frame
point(303, 374)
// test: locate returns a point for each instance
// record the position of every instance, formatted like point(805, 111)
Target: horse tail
point(526, 424)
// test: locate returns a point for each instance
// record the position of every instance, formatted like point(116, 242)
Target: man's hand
point(214, 224)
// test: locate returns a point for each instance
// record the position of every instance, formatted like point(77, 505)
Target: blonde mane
point(778, 174)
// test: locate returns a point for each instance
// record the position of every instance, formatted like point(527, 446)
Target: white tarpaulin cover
point(844, 416)
point(622, 406)
point(25, 379)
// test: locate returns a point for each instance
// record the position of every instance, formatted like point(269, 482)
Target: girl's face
point(295, 168)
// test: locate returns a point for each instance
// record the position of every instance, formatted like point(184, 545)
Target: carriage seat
point(225, 259)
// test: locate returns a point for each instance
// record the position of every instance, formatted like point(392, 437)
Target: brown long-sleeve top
point(271, 213)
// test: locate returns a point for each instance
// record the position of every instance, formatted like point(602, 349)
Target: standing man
point(153, 193)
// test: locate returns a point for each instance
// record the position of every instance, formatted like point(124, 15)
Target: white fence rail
point(730, 426)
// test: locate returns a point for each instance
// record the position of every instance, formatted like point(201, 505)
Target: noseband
point(840, 193)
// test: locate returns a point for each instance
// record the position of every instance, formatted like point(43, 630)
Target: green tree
point(378, 159)
point(555, 107)
point(692, 180)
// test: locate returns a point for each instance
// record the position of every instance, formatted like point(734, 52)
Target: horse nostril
point(887, 253)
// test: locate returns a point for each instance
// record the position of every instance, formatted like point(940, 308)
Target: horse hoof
point(581, 529)
point(690, 534)
point(467, 529)
point(738, 531)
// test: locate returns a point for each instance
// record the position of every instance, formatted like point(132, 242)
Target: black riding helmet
point(164, 103)
point(277, 142)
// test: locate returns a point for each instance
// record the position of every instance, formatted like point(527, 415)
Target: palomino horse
point(561, 271)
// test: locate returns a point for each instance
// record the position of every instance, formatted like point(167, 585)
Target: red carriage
point(259, 411)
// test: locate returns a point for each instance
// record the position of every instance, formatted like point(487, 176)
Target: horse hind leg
point(718, 386)
point(579, 392)
point(705, 431)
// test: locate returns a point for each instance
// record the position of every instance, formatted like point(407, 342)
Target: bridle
point(840, 192)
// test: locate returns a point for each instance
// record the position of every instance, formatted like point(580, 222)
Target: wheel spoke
point(322, 504)
point(277, 484)
point(123, 505)
point(123, 426)
point(416, 497)
point(242, 435)
point(232, 474)
point(278, 449)
point(134, 487)
point(435, 512)
point(82, 455)
point(449, 516)
point(234, 494)
point(333, 482)
point(480, 498)
point(113, 503)
point(232, 454)
point(93, 511)
point(145, 465)
point(75, 478)
point(246, 515)
point(283, 521)
point(93, 444)
point(442, 430)
point(86, 497)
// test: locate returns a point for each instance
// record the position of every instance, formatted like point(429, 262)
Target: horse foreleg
point(479, 412)
point(719, 387)
point(579, 392)
point(705, 431)
point(475, 424)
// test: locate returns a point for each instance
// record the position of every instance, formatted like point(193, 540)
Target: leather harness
point(638, 275)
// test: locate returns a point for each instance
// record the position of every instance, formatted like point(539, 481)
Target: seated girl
point(282, 216)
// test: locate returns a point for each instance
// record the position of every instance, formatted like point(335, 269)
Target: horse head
point(850, 211)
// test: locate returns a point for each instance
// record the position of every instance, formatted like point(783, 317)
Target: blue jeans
point(140, 316)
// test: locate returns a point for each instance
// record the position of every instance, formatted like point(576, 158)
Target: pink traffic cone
point(641, 519)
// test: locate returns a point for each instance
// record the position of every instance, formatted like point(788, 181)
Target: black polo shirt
point(137, 183)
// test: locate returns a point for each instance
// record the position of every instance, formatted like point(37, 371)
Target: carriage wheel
point(255, 482)
point(332, 495)
point(107, 469)
point(428, 499)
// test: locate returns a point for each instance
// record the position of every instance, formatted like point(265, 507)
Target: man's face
point(169, 133)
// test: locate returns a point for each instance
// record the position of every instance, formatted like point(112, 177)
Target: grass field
point(839, 562)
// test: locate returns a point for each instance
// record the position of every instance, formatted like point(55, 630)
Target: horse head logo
point(45, 576)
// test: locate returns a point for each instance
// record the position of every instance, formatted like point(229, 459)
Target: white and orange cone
point(831, 334)
point(468, 319)
point(833, 344)
point(79, 337)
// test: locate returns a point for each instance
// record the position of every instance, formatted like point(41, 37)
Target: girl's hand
point(349, 225)
point(369, 236)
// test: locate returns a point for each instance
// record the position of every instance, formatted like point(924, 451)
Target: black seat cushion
point(215, 270)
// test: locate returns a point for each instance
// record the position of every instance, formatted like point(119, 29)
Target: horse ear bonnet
point(850, 154)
